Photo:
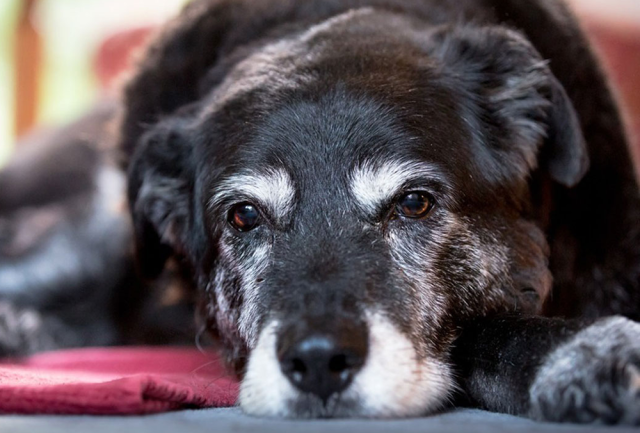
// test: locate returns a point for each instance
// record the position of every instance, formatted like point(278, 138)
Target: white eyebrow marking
point(272, 188)
point(374, 184)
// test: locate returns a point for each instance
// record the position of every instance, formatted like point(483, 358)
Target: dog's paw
point(19, 330)
point(592, 378)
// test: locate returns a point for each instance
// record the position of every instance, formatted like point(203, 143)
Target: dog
point(383, 207)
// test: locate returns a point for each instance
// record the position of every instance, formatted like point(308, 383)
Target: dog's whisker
point(215, 361)
point(199, 334)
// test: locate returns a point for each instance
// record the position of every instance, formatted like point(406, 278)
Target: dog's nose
point(323, 364)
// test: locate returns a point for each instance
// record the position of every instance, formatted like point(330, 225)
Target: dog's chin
point(393, 383)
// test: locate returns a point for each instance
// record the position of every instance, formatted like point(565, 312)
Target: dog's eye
point(244, 217)
point(414, 205)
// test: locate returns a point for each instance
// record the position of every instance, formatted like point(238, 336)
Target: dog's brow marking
point(373, 184)
point(272, 188)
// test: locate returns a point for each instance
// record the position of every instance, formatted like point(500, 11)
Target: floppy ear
point(524, 108)
point(160, 194)
point(170, 69)
point(565, 154)
point(172, 75)
point(151, 143)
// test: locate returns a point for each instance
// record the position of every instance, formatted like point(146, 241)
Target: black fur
point(503, 96)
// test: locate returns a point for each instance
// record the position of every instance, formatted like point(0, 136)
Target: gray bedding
point(232, 420)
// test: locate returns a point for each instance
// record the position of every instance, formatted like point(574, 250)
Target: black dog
point(379, 202)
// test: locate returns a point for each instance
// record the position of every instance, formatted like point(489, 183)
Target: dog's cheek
point(495, 265)
point(425, 299)
point(232, 307)
point(450, 271)
point(529, 253)
point(476, 266)
point(251, 271)
point(219, 311)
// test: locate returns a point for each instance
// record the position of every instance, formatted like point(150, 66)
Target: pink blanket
point(114, 381)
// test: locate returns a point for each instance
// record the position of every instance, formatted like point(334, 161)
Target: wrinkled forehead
point(310, 120)
point(339, 150)
point(330, 135)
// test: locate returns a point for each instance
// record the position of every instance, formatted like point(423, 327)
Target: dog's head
point(347, 196)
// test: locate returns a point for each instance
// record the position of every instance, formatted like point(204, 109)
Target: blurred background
point(58, 56)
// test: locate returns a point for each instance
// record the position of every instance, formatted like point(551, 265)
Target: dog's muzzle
point(321, 356)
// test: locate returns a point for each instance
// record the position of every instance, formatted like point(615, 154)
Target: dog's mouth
point(372, 372)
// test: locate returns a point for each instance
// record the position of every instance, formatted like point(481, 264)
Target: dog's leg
point(24, 331)
point(553, 369)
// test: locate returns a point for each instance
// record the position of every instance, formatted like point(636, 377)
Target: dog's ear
point(525, 111)
point(155, 154)
point(160, 194)
point(170, 69)
point(565, 155)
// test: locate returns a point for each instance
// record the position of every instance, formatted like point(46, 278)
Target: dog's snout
point(320, 366)
point(323, 363)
